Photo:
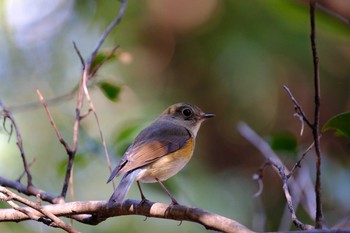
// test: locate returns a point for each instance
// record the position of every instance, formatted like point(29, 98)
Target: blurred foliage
point(284, 142)
point(110, 90)
point(340, 123)
point(230, 58)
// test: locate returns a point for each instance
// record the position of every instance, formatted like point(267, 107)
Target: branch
point(52, 220)
point(30, 191)
point(8, 115)
point(298, 109)
point(315, 126)
point(115, 22)
point(273, 159)
point(94, 212)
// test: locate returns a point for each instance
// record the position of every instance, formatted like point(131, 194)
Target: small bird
point(159, 151)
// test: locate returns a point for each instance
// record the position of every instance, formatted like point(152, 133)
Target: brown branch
point(55, 221)
point(83, 90)
point(115, 22)
point(60, 138)
point(24, 172)
point(94, 212)
point(31, 191)
point(319, 221)
point(298, 163)
point(272, 159)
point(8, 115)
point(297, 107)
point(99, 65)
point(315, 126)
point(281, 171)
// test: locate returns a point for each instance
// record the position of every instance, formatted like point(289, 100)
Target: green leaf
point(102, 57)
point(110, 90)
point(340, 123)
point(284, 142)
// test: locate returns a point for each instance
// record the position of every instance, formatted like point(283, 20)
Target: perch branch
point(94, 212)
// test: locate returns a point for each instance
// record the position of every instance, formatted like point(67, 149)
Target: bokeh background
point(231, 58)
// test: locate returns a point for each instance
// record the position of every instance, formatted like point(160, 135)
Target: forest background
point(231, 58)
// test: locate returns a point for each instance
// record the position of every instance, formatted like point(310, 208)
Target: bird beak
point(207, 115)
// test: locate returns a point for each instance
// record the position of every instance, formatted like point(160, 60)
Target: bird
point(160, 150)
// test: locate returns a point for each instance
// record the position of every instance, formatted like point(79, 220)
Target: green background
point(230, 58)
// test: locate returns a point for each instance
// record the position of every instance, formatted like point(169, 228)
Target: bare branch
point(315, 126)
point(101, 210)
point(79, 55)
point(34, 206)
point(8, 115)
point(298, 108)
point(31, 191)
point(24, 172)
point(281, 171)
point(298, 163)
point(38, 104)
point(115, 22)
point(272, 159)
point(62, 141)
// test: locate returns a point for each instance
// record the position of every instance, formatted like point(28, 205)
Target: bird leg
point(173, 200)
point(143, 198)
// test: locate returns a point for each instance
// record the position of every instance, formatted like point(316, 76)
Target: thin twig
point(297, 106)
point(58, 222)
point(332, 13)
point(99, 65)
point(270, 155)
point(115, 22)
point(62, 141)
point(34, 105)
point(79, 54)
point(298, 163)
point(60, 138)
point(8, 115)
point(31, 191)
point(315, 126)
point(24, 172)
point(82, 93)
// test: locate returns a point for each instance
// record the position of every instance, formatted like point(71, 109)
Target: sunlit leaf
point(111, 91)
point(340, 123)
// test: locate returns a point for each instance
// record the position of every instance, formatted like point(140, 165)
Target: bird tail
point(122, 189)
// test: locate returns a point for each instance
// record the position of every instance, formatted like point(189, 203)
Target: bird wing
point(152, 143)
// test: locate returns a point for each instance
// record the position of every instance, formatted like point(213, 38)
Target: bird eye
point(187, 112)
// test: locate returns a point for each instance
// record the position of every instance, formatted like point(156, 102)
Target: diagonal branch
point(298, 108)
point(115, 22)
point(273, 160)
point(54, 220)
